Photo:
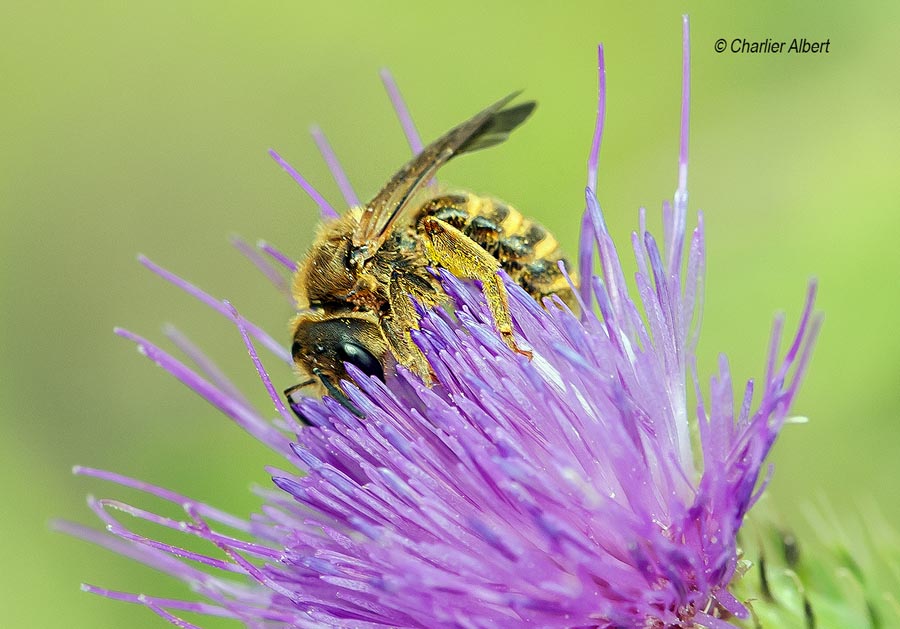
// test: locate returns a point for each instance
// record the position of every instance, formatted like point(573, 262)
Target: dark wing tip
point(499, 125)
point(510, 118)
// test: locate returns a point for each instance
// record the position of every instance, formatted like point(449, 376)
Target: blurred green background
point(143, 127)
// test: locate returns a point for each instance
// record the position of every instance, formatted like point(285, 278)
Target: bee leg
point(451, 249)
point(293, 403)
point(396, 327)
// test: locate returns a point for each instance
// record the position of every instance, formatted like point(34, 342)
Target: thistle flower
point(563, 491)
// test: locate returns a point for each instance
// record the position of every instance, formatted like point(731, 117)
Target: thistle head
point(577, 488)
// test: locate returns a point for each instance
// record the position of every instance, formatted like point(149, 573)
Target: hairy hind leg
point(449, 248)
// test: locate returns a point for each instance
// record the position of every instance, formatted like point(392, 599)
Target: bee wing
point(487, 128)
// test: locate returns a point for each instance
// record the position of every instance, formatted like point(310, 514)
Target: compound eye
point(361, 358)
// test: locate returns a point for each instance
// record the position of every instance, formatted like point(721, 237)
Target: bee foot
point(511, 342)
point(524, 352)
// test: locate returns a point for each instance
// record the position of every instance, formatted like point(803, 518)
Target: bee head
point(325, 343)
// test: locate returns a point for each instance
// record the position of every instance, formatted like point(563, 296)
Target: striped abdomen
point(525, 250)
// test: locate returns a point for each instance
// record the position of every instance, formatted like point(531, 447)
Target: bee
point(355, 287)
